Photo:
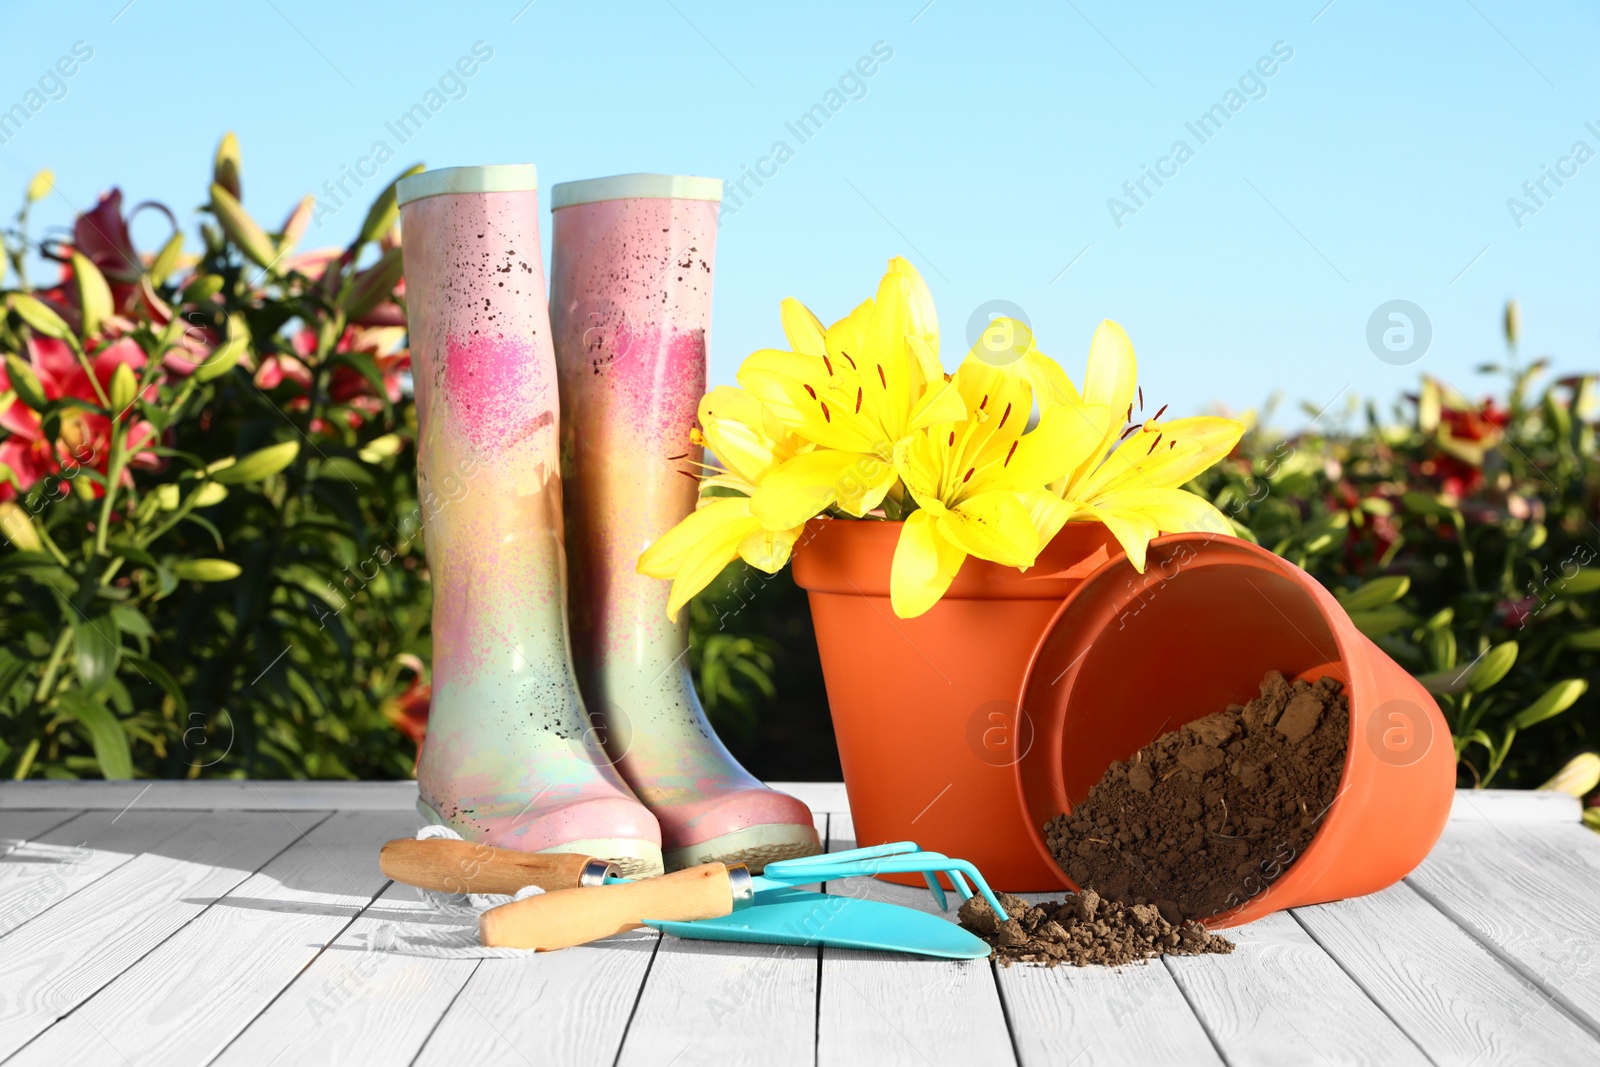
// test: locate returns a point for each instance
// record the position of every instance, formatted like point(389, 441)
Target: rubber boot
point(631, 307)
point(510, 757)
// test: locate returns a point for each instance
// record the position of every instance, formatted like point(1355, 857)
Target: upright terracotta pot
point(925, 709)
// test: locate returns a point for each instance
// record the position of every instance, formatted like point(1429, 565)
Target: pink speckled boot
point(509, 757)
point(631, 307)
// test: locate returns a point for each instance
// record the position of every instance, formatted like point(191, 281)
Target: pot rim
point(854, 556)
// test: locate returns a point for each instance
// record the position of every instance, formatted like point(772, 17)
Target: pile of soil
point(1206, 817)
point(1082, 930)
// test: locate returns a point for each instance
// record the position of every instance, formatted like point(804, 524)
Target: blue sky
point(1375, 163)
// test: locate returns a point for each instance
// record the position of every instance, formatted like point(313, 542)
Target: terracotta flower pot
point(1131, 657)
point(925, 709)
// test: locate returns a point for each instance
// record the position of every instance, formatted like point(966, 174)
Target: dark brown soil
point(1084, 929)
point(1206, 817)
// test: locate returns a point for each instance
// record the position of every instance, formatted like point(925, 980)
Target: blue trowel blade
point(795, 917)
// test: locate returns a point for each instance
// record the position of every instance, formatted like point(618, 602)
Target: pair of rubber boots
point(512, 416)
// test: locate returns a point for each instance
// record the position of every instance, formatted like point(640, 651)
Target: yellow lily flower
point(1135, 490)
point(856, 390)
point(751, 442)
point(979, 482)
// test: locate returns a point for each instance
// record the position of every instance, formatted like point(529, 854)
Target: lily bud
point(94, 295)
point(384, 210)
point(124, 388)
point(225, 358)
point(372, 285)
point(25, 383)
point(39, 315)
point(294, 227)
point(166, 260)
point(243, 230)
point(40, 184)
point(18, 528)
point(225, 171)
point(1513, 322)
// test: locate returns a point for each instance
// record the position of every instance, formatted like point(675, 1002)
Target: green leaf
point(1586, 580)
point(163, 678)
point(105, 733)
point(262, 463)
point(202, 289)
point(1556, 699)
point(206, 570)
point(381, 448)
point(1492, 666)
point(94, 295)
point(166, 260)
point(225, 358)
point(1586, 640)
point(384, 210)
point(1440, 683)
point(25, 383)
point(39, 315)
point(1376, 593)
point(131, 620)
point(1380, 621)
point(96, 647)
point(345, 469)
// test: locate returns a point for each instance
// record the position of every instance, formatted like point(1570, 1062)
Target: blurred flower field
point(214, 561)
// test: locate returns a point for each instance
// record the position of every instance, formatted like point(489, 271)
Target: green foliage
point(208, 490)
point(1459, 537)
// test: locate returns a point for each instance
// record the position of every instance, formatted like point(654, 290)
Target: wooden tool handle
point(577, 916)
point(448, 866)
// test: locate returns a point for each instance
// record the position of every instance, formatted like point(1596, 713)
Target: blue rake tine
point(830, 859)
point(936, 889)
point(970, 871)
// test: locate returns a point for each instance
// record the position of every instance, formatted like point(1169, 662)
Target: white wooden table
point(183, 923)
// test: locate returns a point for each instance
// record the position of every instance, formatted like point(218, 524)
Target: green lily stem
point(53, 665)
point(102, 530)
point(25, 763)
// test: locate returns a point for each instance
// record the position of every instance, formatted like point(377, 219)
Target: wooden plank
point(17, 827)
point(373, 996)
point(191, 995)
point(567, 1007)
point(1094, 1015)
point(1532, 895)
point(1514, 806)
point(61, 958)
point(213, 795)
point(712, 1001)
point(1279, 998)
point(1441, 985)
point(887, 1008)
point(41, 873)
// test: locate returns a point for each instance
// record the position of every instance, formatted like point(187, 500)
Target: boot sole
point(633, 858)
point(754, 846)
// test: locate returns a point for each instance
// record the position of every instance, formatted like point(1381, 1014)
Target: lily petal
point(1131, 529)
point(941, 403)
point(1188, 447)
point(1170, 510)
point(925, 564)
point(665, 557)
point(768, 550)
point(808, 484)
point(1111, 376)
point(993, 526)
point(1065, 437)
point(803, 329)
